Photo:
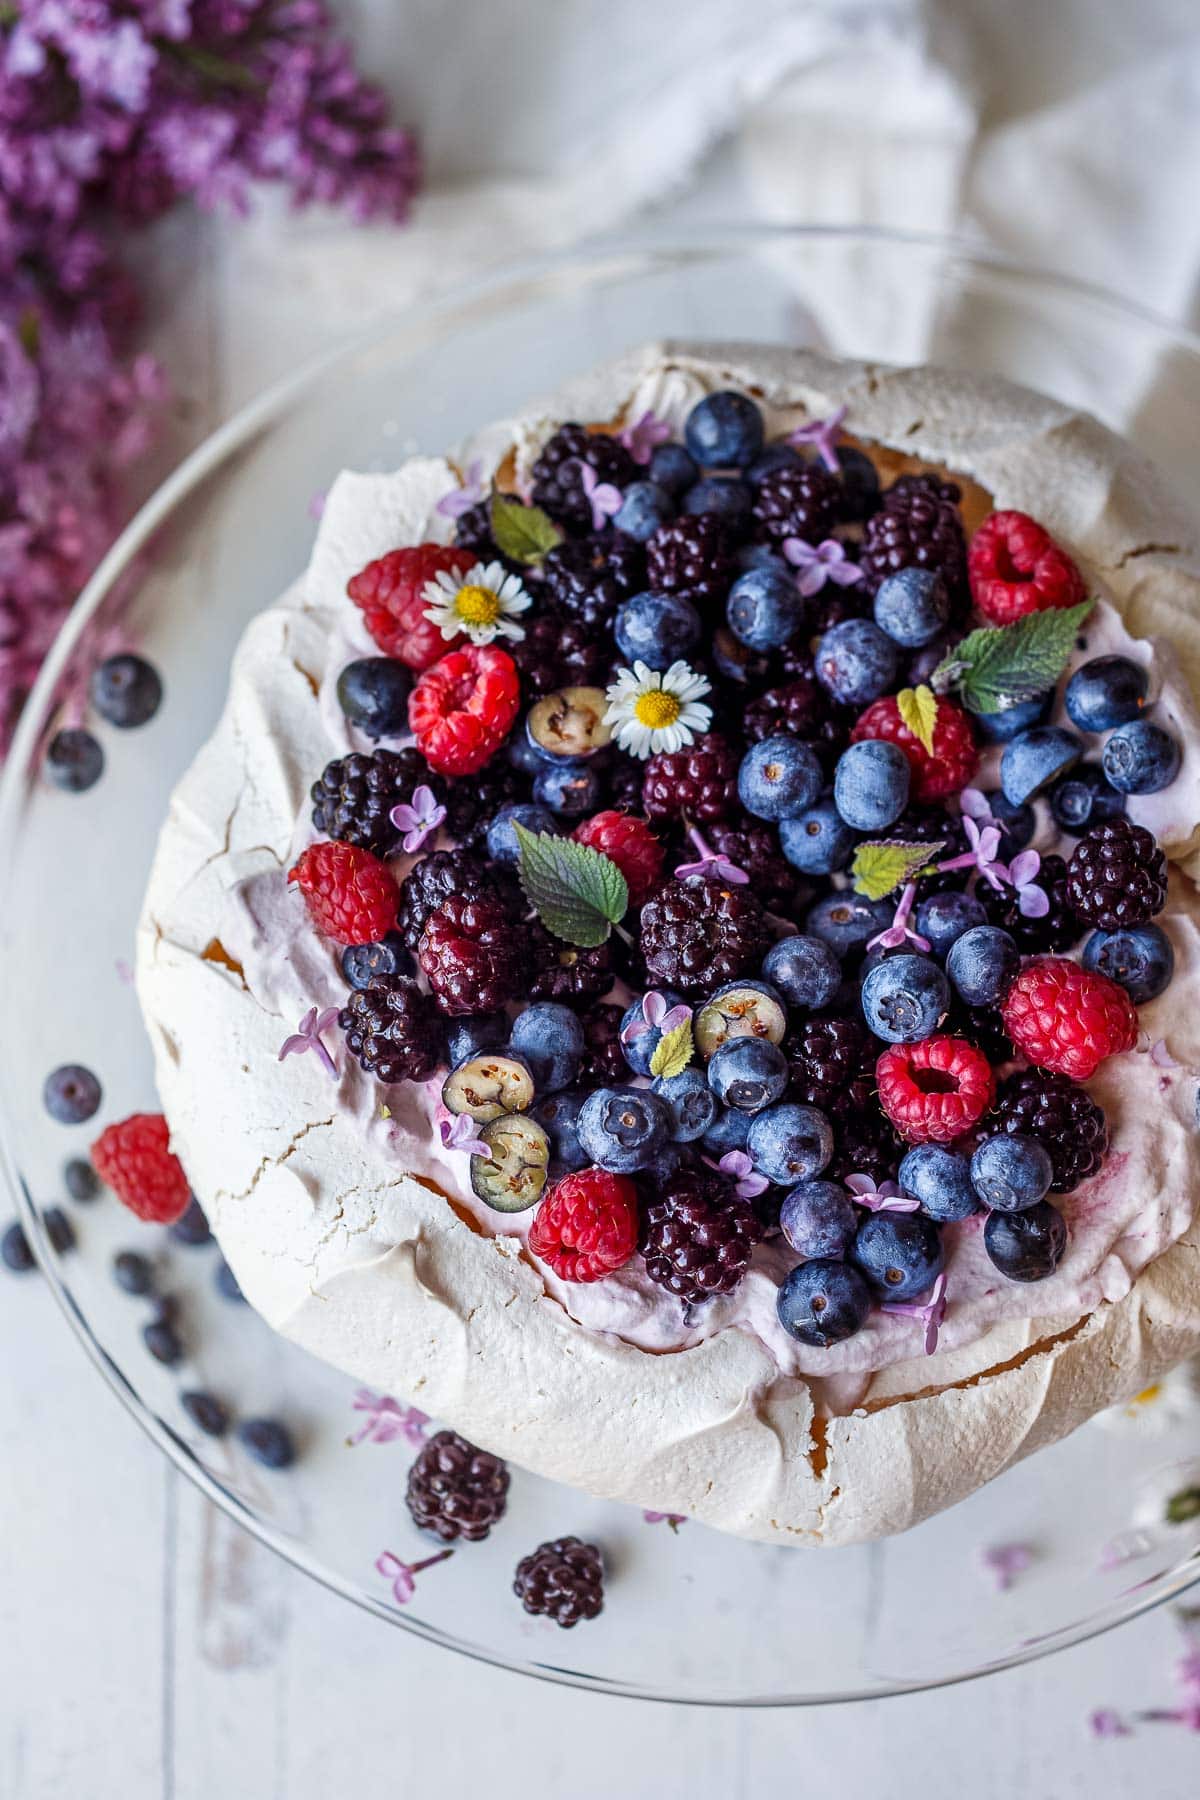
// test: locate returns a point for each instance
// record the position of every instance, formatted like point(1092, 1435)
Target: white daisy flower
point(1171, 1400)
point(481, 604)
point(653, 711)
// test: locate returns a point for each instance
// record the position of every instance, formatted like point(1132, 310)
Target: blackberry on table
point(1117, 876)
point(557, 652)
point(557, 481)
point(696, 1236)
point(564, 972)
point(1061, 1116)
point(603, 1062)
point(355, 794)
point(692, 555)
point(587, 578)
point(473, 959)
point(800, 500)
point(561, 1580)
point(917, 526)
point(700, 781)
point(456, 1490)
point(1056, 930)
point(434, 879)
point(394, 1029)
point(696, 934)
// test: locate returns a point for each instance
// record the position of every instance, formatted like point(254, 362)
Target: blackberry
point(983, 1027)
point(473, 800)
point(796, 709)
point(588, 578)
point(696, 934)
point(1117, 876)
point(918, 526)
point(834, 604)
point(700, 781)
point(825, 1054)
point(473, 531)
point(800, 500)
point(754, 847)
point(603, 1062)
point(393, 1029)
point(562, 972)
point(692, 555)
point(557, 481)
point(1063, 1117)
point(355, 794)
point(557, 653)
point(696, 1236)
point(1054, 931)
point(434, 879)
point(455, 1490)
point(933, 825)
point(562, 1580)
point(864, 1139)
point(471, 955)
point(623, 780)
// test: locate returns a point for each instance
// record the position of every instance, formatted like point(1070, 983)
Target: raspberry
point(917, 526)
point(471, 955)
point(434, 879)
point(1017, 568)
point(697, 1236)
point(1117, 876)
point(1056, 930)
point(691, 555)
point(135, 1159)
point(455, 1490)
point(696, 934)
point(603, 1062)
point(936, 1090)
point(799, 500)
point(797, 709)
point(351, 896)
point(562, 972)
point(557, 473)
point(562, 1580)
point(587, 1225)
point(629, 843)
point(461, 709)
point(755, 848)
point(393, 1029)
point(588, 578)
point(391, 595)
point(1068, 1019)
point(700, 781)
point(936, 775)
point(355, 794)
point(1062, 1117)
point(557, 653)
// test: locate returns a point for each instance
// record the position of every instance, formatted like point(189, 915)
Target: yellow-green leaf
point(673, 1051)
point(879, 869)
point(919, 710)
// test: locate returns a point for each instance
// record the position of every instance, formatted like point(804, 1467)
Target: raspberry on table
point(700, 781)
point(587, 578)
point(557, 481)
point(917, 526)
point(461, 710)
point(1055, 930)
point(1039, 1104)
point(394, 1030)
point(1117, 876)
point(456, 1490)
point(604, 1063)
point(355, 794)
point(1067, 1018)
point(934, 1091)
point(937, 774)
point(697, 1237)
point(692, 555)
point(434, 879)
point(134, 1157)
point(560, 971)
point(561, 1580)
point(558, 652)
point(390, 592)
point(471, 955)
point(630, 843)
point(587, 1225)
point(696, 934)
point(799, 500)
point(1016, 568)
point(351, 896)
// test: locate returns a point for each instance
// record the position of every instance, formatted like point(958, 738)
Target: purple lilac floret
point(386, 1420)
point(822, 435)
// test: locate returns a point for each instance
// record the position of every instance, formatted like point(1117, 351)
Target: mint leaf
point(523, 532)
point(880, 868)
point(918, 709)
point(577, 893)
point(673, 1051)
point(999, 666)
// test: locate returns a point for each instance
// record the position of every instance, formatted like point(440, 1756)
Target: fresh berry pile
point(666, 850)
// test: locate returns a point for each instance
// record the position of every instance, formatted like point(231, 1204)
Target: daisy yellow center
point(477, 606)
point(657, 709)
point(1148, 1395)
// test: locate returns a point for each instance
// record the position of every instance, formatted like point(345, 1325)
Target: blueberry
point(645, 507)
point(845, 921)
point(80, 1180)
point(373, 693)
point(1026, 1246)
point(207, 1413)
point(899, 1253)
point(569, 790)
point(1140, 957)
point(922, 663)
point(790, 1143)
point(1141, 758)
point(857, 662)
point(1002, 727)
point(74, 761)
point(71, 1094)
point(640, 1049)
point(819, 841)
point(1017, 823)
point(268, 1441)
point(724, 431)
point(657, 629)
point(760, 556)
point(226, 1282)
point(549, 1038)
point(191, 1227)
point(728, 1131)
point(822, 1302)
point(624, 1129)
point(1084, 797)
point(163, 1342)
point(126, 690)
point(775, 456)
point(905, 998)
point(691, 1103)
point(502, 845)
point(818, 1218)
point(981, 964)
point(470, 1033)
point(941, 1180)
point(722, 496)
point(133, 1272)
point(779, 778)
point(765, 608)
point(523, 755)
point(1036, 758)
point(748, 1073)
point(362, 962)
point(740, 1009)
point(871, 783)
point(1011, 1172)
point(15, 1253)
point(1108, 691)
point(943, 918)
point(804, 969)
point(672, 468)
point(860, 481)
point(558, 1116)
point(59, 1230)
point(912, 606)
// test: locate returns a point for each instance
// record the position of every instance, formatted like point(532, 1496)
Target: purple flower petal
point(643, 438)
point(1033, 902)
point(1107, 1723)
point(1023, 867)
point(974, 804)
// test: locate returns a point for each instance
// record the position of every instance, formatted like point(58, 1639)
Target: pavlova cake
point(680, 957)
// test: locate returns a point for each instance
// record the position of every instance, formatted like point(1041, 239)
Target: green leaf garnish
point(918, 710)
point(523, 532)
point(1000, 666)
point(577, 893)
point(673, 1052)
point(881, 868)
point(1184, 1506)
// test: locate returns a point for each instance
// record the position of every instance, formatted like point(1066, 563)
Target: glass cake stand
point(691, 1615)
